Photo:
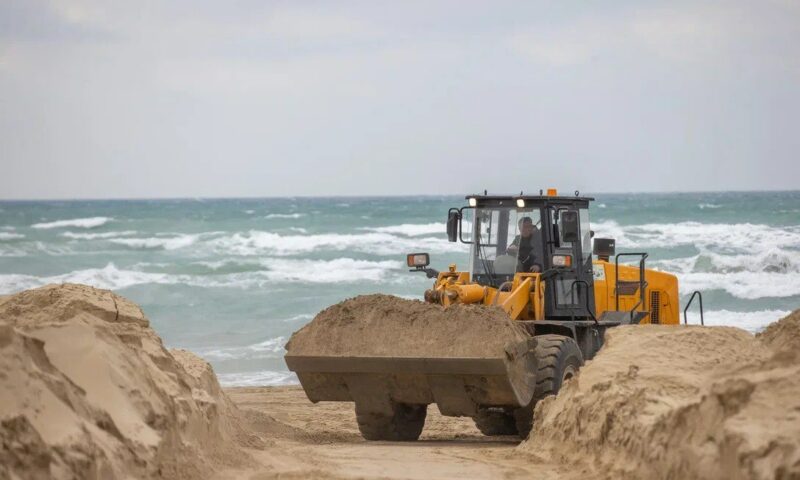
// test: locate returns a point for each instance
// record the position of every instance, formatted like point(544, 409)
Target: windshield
point(507, 240)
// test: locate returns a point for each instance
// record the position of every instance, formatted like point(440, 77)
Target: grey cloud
point(303, 98)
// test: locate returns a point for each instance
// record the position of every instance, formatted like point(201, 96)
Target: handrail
point(641, 278)
point(696, 293)
point(586, 298)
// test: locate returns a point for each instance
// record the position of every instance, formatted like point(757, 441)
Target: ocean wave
point(751, 321)
point(329, 271)
point(91, 222)
point(272, 271)
point(298, 318)
point(257, 242)
point(108, 277)
point(11, 236)
point(257, 379)
point(95, 236)
point(410, 229)
point(285, 215)
point(770, 261)
point(739, 237)
point(703, 206)
point(744, 285)
point(165, 243)
point(270, 348)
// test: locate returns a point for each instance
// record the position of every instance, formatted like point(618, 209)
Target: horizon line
point(425, 195)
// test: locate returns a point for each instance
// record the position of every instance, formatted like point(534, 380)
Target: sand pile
point(385, 325)
point(667, 402)
point(784, 334)
point(87, 390)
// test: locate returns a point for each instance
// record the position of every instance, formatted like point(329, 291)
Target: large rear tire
point(404, 424)
point(558, 359)
point(495, 421)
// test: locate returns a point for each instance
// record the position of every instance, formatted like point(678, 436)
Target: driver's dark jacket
point(530, 249)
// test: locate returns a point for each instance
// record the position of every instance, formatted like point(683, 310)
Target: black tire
point(558, 359)
point(495, 421)
point(405, 424)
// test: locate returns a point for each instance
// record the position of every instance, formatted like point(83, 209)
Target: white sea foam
point(773, 260)
point(166, 243)
point(270, 348)
point(276, 270)
point(108, 277)
point(11, 236)
point(703, 206)
point(298, 318)
point(410, 229)
point(255, 379)
point(95, 236)
point(91, 222)
point(298, 229)
point(285, 215)
point(330, 271)
point(267, 243)
point(746, 285)
point(740, 237)
point(750, 321)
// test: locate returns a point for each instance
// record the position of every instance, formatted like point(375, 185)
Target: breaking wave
point(256, 379)
point(11, 236)
point(410, 229)
point(272, 271)
point(165, 243)
point(92, 222)
point(285, 215)
point(257, 242)
point(270, 348)
point(95, 236)
point(751, 321)
point(743, 237)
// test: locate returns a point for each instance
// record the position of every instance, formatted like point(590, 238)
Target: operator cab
point(548, 234)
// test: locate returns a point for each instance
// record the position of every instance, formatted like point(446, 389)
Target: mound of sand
point(677, 402)
point(784, 334)
point(385, 325)
point(87, 390)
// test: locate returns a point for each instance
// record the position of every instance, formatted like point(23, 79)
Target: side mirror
point(453, 218)
point(570, 227)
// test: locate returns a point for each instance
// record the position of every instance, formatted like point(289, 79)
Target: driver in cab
point(527, 246)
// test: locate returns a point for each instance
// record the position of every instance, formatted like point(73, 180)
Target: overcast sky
point(252, 98)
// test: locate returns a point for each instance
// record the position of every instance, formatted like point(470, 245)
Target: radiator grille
point(655, 307)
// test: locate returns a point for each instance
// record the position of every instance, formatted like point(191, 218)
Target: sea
point(231, 279)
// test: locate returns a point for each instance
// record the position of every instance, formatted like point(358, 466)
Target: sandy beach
point(322, 441)
point(88, 390)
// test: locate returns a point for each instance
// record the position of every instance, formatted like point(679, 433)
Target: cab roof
point(529, 199)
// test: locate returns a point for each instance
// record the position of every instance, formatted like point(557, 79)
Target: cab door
point(570, 284)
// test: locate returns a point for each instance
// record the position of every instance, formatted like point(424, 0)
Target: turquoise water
point(231, 279)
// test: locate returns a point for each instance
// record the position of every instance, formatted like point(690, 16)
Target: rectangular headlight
point(562, 260)
point(418, 259)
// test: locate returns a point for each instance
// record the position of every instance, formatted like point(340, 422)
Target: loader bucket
point(380, 350)
point(457, 385)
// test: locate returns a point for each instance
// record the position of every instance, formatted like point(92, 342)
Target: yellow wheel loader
point(532, 257)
